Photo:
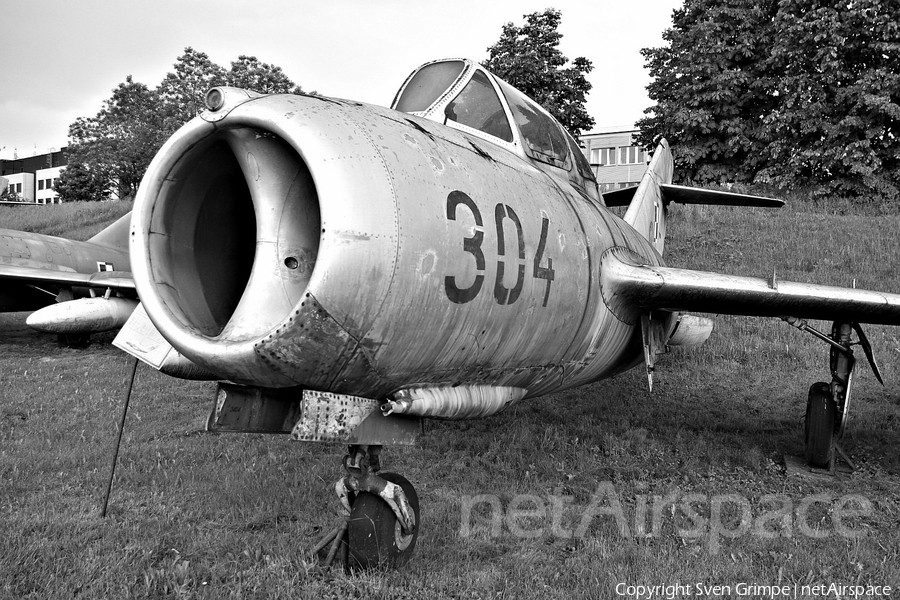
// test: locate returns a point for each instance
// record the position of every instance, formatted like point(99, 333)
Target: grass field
point(75, 220)
point(576, 495)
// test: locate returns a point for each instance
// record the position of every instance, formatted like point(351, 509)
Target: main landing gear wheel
point(821, 412)
point(375, 535)
point(828, 404)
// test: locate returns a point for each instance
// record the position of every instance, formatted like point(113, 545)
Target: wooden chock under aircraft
point(346, 269)
point(75, 288)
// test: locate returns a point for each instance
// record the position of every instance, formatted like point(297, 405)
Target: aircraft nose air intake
point(287, 219)
point(232, 225)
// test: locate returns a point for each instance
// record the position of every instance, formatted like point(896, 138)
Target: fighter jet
point(76, 288)
point(346, 269)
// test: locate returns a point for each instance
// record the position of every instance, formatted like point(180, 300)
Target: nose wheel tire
point(375, 536)
point(820, 419)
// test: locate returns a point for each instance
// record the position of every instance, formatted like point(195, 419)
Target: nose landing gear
point(381, 515)
point(374, 533)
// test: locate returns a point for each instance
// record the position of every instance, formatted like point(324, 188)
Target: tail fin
point(116, 235)
point(647, 210)
point(647, 203)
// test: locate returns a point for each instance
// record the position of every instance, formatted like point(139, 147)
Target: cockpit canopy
point(462, 94)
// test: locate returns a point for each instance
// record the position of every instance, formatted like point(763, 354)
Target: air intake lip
point(225, 237)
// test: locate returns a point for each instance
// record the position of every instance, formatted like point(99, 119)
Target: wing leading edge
point(100, 279)
point(631, 289)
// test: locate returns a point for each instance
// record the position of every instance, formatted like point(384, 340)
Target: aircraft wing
point(631, 289)
point(101, 279)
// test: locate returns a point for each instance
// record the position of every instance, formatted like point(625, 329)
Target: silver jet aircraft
point(346, 269)
point(76, 288)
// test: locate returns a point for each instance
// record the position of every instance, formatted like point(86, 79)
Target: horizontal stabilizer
point(632, 289)
point(620, 197)
point(691, 195)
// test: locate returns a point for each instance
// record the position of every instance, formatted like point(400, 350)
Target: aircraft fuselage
point(332, 245)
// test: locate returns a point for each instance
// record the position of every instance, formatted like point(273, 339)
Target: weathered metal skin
point(638, 287)
point(19, 249)
point(386, 251)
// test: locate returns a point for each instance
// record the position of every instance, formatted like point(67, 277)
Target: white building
point(46, 179)
point(32, 177)
point(21, 184)
point(617, 161)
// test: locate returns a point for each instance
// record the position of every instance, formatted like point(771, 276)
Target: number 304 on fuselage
point(527, 274)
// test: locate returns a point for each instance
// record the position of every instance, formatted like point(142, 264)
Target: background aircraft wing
point(631, 289)
point(100, 279)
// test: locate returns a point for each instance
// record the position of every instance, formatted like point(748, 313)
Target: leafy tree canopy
point(118, 143)
point(796, 93)
point(528, 58)
point(7, 195)
point(111, 151)
point(183, 90)
point(79, 182)
point(249, 73)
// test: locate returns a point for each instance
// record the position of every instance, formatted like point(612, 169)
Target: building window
point(603, 156)
point(631, 155)
point(18, 188)
point(40, 184)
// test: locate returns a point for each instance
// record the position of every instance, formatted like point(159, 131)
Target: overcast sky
point(62, 59)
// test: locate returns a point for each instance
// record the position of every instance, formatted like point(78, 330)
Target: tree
point(797, 93)
point(112, 150)
point(249, 73)
point(8, 195)
point(122, 139)
point(837, 124)
point(182, 92)
point(712, 88)
point(529, 59)
point(79, 182)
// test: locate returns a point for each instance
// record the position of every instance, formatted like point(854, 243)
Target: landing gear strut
point(381, 515)
point(828, 404)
